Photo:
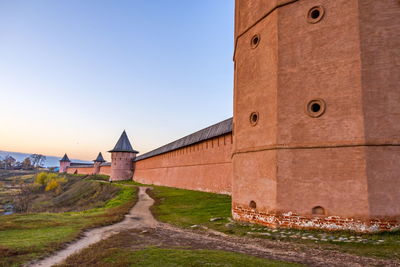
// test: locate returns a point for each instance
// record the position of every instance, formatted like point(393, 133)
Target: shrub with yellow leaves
point(50, 181)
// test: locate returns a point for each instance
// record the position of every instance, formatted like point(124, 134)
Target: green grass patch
point(180, 257)
point(186, 208)
point(77, 194)
point(24, 237)
point(100, 177)
point(172, 257)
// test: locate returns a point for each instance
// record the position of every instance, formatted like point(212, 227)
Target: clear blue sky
point(75, 73)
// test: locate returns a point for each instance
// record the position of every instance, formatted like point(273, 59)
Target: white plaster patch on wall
point(291, 220)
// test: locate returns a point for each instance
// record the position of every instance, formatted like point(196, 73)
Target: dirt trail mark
point(161, 234)
point(138, 217)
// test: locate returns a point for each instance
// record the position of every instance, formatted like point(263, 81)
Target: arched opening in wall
point(253, 204)
point(318, 210)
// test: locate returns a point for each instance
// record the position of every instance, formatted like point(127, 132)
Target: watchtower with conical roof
point(122, 159)
point(97, 163)
point(64, 163)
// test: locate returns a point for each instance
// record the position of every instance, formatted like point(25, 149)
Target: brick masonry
point(204, 166)
point(293, 220)
point(344, 156)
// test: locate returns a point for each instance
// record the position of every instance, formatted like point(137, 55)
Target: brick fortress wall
point(204, 166)
point(80, 170)
point(105, 170)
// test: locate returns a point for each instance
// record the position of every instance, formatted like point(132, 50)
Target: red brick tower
point(97, 163)
point(317, 114)
point(64, 163)
point(122, 157)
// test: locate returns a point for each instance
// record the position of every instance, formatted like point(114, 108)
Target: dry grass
point(130, 248)
point(24, 237)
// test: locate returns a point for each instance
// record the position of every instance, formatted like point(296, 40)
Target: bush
point(41, 178)
point(50, 181)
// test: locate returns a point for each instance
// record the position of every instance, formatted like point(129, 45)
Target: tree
point(2, 163)
point(37, 160)
point(18, 165)
point(9, 162)
point(27, 164)
point(23, 199)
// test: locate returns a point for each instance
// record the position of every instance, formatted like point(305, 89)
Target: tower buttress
point(64, 163)
point(316, 113)
point(97, 163)
point(122, 159)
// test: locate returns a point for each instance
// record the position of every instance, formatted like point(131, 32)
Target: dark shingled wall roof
point(81, 165)
point(221, 128)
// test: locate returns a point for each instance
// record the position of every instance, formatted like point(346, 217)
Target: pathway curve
point(140, 218)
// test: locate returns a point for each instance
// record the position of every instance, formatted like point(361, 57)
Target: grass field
point(133, 248)
point(79, 193)
point(200, 210)
point(24, 237)
point(175, 257)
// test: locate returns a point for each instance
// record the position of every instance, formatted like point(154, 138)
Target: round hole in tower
point(255, 41)
point(254, 117)
point(315, 14)
point(316, 108)
point(253, 204)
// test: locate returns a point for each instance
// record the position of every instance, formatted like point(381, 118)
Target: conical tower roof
point(123, 144)
point(99, 158)
point(65, 158)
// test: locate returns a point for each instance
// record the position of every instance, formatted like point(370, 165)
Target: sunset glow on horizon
point(75, 74)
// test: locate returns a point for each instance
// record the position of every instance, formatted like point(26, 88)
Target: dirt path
point(145, 230)
point(138, 217)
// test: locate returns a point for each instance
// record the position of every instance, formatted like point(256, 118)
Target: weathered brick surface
point(293, 220)
point(122, 166)
point(106, 170)
point(80, 170)
point(205, 166)
point(345, 161)
point(64, 165)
